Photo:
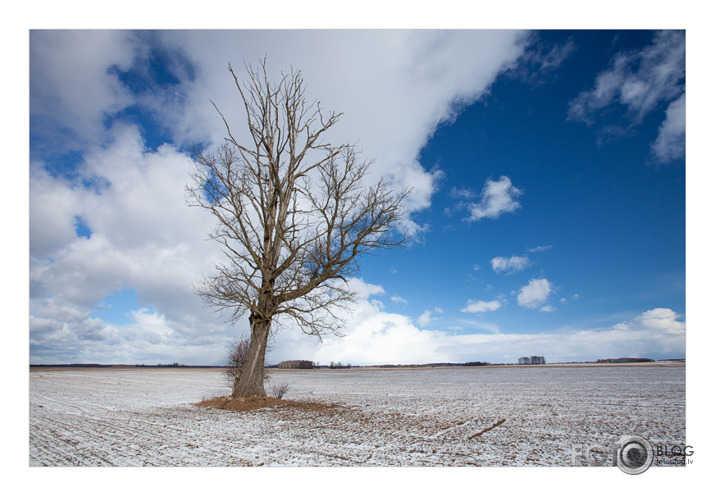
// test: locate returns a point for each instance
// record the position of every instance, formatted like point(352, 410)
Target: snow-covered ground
point(387, 417)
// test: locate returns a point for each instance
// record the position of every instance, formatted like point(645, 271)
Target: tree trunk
point(250, 381)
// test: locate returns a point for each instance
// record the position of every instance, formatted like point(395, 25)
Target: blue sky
point(547, 170)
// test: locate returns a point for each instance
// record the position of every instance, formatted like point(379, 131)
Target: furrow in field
point(389, 417)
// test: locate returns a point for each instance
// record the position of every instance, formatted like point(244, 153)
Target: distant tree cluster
point(533, 360)
point(54, 365)
point(624, 360)
point(446, 364)
point(338, 365)
point(296, 364)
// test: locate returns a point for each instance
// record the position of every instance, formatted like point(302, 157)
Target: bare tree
point(294, 215)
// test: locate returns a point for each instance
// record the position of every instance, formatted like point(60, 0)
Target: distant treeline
point(624, 360)
point(296, 364)
point(71, 365)
point(306, 364)
point(439, 364)
point(124, 366)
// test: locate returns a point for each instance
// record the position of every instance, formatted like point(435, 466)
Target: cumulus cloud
point(535, 294)
point(149, 338)
point(140, 235)
point(73, 87)
point(370, 336)
point(497, 198)
point(375, 337)
point(670, 143)
point(511, 264)
point(370, 76)
point(53, 207)
point(479, 306)
point(427, 316)
point(638, 81)
point(364, 289)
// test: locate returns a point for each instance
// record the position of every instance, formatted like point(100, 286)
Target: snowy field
point(484, 416)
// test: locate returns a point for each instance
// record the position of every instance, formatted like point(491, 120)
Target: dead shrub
point(279, 390)
point(235, 358)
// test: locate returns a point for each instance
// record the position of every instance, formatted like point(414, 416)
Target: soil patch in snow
point(256, 402)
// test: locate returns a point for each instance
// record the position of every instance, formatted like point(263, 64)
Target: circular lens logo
point(635, 455)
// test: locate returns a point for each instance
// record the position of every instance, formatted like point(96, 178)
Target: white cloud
point(542, 59)
point(398, 299)
point(425, 318)
point(565, 301)
point(511, 264)
point(670, 143)
point(73, 87)
point(656, 333)
point(372, 77)
point(143, 237)
point(375, 337)
point(428, 316)
point(53, 208)
point(639, 81)
point(479, 306)
point(538, 249)
point(535, 294)
point(497, 198)
point(370, 336)
point(365, 290)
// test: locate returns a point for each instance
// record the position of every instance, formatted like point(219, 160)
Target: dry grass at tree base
point(256, 402)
